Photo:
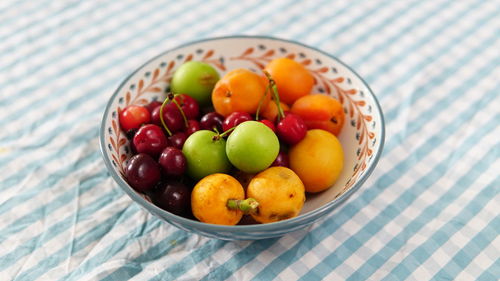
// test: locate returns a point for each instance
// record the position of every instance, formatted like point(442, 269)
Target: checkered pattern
point(428, 211)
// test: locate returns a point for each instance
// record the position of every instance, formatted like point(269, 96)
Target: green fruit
point(205, 155)
point(252, 147)
point(196, 79)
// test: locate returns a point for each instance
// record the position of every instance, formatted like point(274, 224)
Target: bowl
point(362, 136)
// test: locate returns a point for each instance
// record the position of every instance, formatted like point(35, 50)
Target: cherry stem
point(281, 114)
point(219, 136)
point(161, 116)
point(182, 112)
point(247, 206)
point(261, 101)
point(272, 85)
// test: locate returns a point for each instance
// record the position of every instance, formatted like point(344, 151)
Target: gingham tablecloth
point(430, 210)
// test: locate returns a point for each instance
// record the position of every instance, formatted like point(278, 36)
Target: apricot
point(292, 79)
point(320, 112)
point(318, 160)
point(280, 194)
point(210, 196)
point(239, 90)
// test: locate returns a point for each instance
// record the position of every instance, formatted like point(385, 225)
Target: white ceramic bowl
point(362, 136)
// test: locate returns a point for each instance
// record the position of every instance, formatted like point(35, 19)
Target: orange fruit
point(209, 199)
point(292, 79)
point(318, 160)
point(239, 90)
point(280, 194)
point(320, 112)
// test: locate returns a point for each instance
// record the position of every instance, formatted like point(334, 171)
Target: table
point(430, 210)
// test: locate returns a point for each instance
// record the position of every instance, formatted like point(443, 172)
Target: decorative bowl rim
point(301, 219)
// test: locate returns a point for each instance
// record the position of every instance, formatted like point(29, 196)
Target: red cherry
point(291, 129)
point(142, 172)
point(193, 126)
point(234, 119)
point(178, 139)
point(155, 116)
point(152, 105)
point(174, 197)
point(188, 105)
point(212, 121)
point(173, 118)
point(133, 116)
point(281, 160)
point(150, 139)
point(173, 162)
point(269, 124)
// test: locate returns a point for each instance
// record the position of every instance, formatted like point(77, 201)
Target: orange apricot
point(292, 79)
point(318, 160)
point(320, 112)
point(239, 90)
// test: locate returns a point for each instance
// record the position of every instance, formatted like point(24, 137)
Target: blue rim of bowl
point(193, 224)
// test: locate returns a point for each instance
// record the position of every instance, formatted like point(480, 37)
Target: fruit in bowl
point(256, 134)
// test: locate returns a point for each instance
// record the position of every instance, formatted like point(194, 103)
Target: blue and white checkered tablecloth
point(430, 210)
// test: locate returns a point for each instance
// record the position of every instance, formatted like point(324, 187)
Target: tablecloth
point(430, 210)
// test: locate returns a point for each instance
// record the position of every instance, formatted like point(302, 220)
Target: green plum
point(205, 155)
point(196, 79)
point(252, 147)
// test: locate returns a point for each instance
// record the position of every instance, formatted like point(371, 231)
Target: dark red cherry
point(173, 162)
point(151, 140)
point(192, 127)
point(177, 140)
point(174, 197)
point(281, 160)
point(142, 172)
point(234, 119)
point(152, 105)
point(173, 118)
point(212, 121)
point(188, 105)
point(155, 116)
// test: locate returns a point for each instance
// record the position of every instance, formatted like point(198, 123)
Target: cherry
point(178, 139)
point(133, 116)
point(152, 105)
point(291, 129)
point(281, 160)
point(174, 197)
point(192, 127)
point(212, 121)
point(142, 172)
point(269, 124)
point(150, 139)
point(234, 119)
point(173, 162)
point(173, 118)
point(188, 105)
point(155, 116)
